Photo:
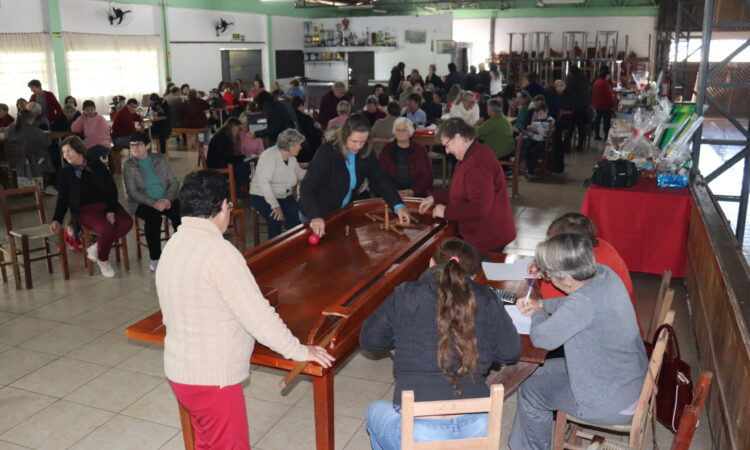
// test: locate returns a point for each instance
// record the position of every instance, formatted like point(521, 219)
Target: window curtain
point(23, 57)
point(102, 66)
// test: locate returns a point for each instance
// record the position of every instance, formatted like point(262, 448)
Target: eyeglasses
point(401, 130)
point(445, 144)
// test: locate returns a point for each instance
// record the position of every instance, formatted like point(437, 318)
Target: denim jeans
point(384, 425)
point(288, 207)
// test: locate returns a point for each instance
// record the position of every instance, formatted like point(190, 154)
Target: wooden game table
point(326, 291)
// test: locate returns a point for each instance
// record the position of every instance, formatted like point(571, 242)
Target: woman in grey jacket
point(602, 374)
point(152, 189)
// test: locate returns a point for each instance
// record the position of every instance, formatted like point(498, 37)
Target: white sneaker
point(152, 265)
point(107, 270)
point(50, 190)
point(92, 253)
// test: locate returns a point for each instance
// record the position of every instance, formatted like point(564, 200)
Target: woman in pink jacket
point(95, 131)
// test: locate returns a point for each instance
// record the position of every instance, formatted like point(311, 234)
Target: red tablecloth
point(648, 225)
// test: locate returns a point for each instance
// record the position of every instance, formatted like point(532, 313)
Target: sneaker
point(50, 190)
point(92, 253)
point(152, 265)
point(106, 268)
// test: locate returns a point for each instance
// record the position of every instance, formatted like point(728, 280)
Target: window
point(23, 57)
point(102, 66)
point(720, 49)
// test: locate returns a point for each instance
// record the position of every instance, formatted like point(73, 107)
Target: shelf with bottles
point(325, 56)
point(340, 36)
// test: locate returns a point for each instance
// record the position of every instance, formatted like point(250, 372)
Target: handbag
point(618, 173)
point(675, 383)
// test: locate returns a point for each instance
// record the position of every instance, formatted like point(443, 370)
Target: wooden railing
point(718, 283)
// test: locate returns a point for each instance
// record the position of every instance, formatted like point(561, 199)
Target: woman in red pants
point(87, 188)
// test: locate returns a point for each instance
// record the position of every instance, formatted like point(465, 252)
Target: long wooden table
point(332, 288)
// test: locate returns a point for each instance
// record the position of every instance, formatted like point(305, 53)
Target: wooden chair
point(663, 304)
point(492, 404)
point(256, 222)
point(115, 159)
point(237, 214)
point(644, 412)
point(139, 233)
point(686, 429)
point(191, 136)
point(515, 165)
point(40, 231)
point(120, 244)
point(548, 149)
point(10, 159)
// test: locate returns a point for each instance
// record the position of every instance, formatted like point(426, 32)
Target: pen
point(531, 287)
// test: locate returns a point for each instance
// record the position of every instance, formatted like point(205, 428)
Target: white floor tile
point(19, 405)
point(149, 361)
point(19, 362)
point(159, 405)
point(114, 390)
point(108, 349)
point(60, 377)
point(23, 328)
point(127, 433)
point(58, 426)
point(61, 339)
point(297, 430)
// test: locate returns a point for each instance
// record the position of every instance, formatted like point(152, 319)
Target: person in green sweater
point(497, 132)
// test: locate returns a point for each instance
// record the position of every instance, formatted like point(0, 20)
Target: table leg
point(187, 427)
point(323, 401)
point(512, 376)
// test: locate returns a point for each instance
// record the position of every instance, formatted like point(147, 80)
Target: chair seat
point(37, 232)
point(615, 428)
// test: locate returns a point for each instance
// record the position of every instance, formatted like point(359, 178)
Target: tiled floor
point(70, 379)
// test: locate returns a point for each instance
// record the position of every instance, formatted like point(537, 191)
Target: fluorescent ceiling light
point(368, 6)
point(563, 2)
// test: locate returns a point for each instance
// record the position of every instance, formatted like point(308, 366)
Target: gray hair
point(68, 107)
point(403, 121)
point(567, 254)
point(371, 100)
point(467, 95)
point(496, 105)
point(289, 138)
point(34, 108)
point(339, 86)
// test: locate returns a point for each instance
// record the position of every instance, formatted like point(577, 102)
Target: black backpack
point(620, 173)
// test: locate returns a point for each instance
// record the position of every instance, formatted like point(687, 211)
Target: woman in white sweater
point(467, 108)
point(214, 311)
point(276, 175)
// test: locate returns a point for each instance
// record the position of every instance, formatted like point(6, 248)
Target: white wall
point(23, 16)
point(415, 56)
point(196, 50)
point(85, 16)
point(477, 31)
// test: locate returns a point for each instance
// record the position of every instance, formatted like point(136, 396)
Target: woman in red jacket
point(406, 162)
point(478, 198)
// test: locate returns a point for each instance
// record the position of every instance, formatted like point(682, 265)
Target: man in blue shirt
point(413, 112)
point(294, 90)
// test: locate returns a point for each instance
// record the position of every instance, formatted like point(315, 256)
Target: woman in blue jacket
point(447, 331)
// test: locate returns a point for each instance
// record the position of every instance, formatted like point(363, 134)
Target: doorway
point(245, 65)
point(361, 68)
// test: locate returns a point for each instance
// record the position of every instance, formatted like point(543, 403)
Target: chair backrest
point(689, 420)
point(22, 145)
point(8, 212)
point(663, 304)
point(492, 404)
point(645, 408)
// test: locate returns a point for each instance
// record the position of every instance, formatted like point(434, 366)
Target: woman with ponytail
point(446, 330)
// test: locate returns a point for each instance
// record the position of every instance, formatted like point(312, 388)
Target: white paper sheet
point(522, 323)
point(517, 270)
